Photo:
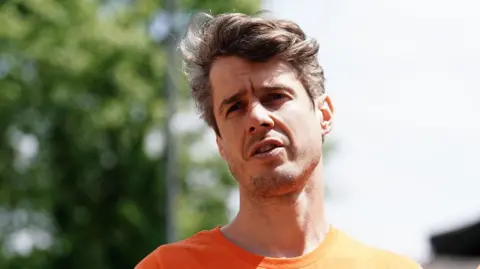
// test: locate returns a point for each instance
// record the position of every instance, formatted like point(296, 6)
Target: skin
point(281, 197)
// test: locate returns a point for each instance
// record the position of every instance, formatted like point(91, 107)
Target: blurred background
point(102, 157)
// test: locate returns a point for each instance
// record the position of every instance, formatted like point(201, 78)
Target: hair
point(251, 37)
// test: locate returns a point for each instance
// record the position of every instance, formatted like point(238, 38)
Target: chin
point(279, 181)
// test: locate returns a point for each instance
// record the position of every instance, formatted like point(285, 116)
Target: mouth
point(266, 147)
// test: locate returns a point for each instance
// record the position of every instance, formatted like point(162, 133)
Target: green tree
point(81, 98)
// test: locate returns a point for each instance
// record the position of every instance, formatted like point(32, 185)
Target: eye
point(233, 108)
point(274, 97)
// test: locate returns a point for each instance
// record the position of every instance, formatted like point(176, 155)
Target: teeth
point(265, 148)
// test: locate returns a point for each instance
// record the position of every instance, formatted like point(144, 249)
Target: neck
point(282, 227)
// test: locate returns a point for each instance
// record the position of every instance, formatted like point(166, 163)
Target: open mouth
point(269, 147)
point(265, 149)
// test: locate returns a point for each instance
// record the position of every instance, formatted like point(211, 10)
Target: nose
point(260, 119)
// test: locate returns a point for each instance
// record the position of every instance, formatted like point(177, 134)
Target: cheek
point(232, 143)
point(302, 122)
point(297, 117)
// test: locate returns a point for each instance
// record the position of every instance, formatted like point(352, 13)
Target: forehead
point(231, 74)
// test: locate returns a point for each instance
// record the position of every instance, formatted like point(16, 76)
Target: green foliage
point(81, 87)
point(215, 7)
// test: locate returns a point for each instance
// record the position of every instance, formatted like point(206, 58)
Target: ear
point(220, 146)
point(325, 106)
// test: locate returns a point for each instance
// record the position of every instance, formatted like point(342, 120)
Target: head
point(257, 82)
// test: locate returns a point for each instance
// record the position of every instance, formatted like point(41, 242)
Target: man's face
point(270, 132)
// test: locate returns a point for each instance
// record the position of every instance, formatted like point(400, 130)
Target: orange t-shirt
point(211, 250)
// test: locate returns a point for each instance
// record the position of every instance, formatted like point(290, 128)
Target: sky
point(402, 76)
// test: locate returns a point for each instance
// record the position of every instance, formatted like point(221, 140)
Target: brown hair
point(253, 38)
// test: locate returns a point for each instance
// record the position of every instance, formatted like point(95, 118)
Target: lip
point(268, 141)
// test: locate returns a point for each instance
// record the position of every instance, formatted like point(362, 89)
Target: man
point(258, 84)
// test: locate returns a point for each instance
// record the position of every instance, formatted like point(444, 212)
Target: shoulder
point(182, 254)
point(392, 260)
point(164, 257)
point(381, 258)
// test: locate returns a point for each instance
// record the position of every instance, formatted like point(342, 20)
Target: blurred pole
point(171, 170)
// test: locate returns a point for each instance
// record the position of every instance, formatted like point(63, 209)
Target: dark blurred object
point(82, 113)
point(458, 248)
point(462, 242)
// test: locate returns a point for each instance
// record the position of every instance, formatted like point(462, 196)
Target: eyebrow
point(264, 88)
point(230, 100)
point(276, 87)
point(268, 88)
